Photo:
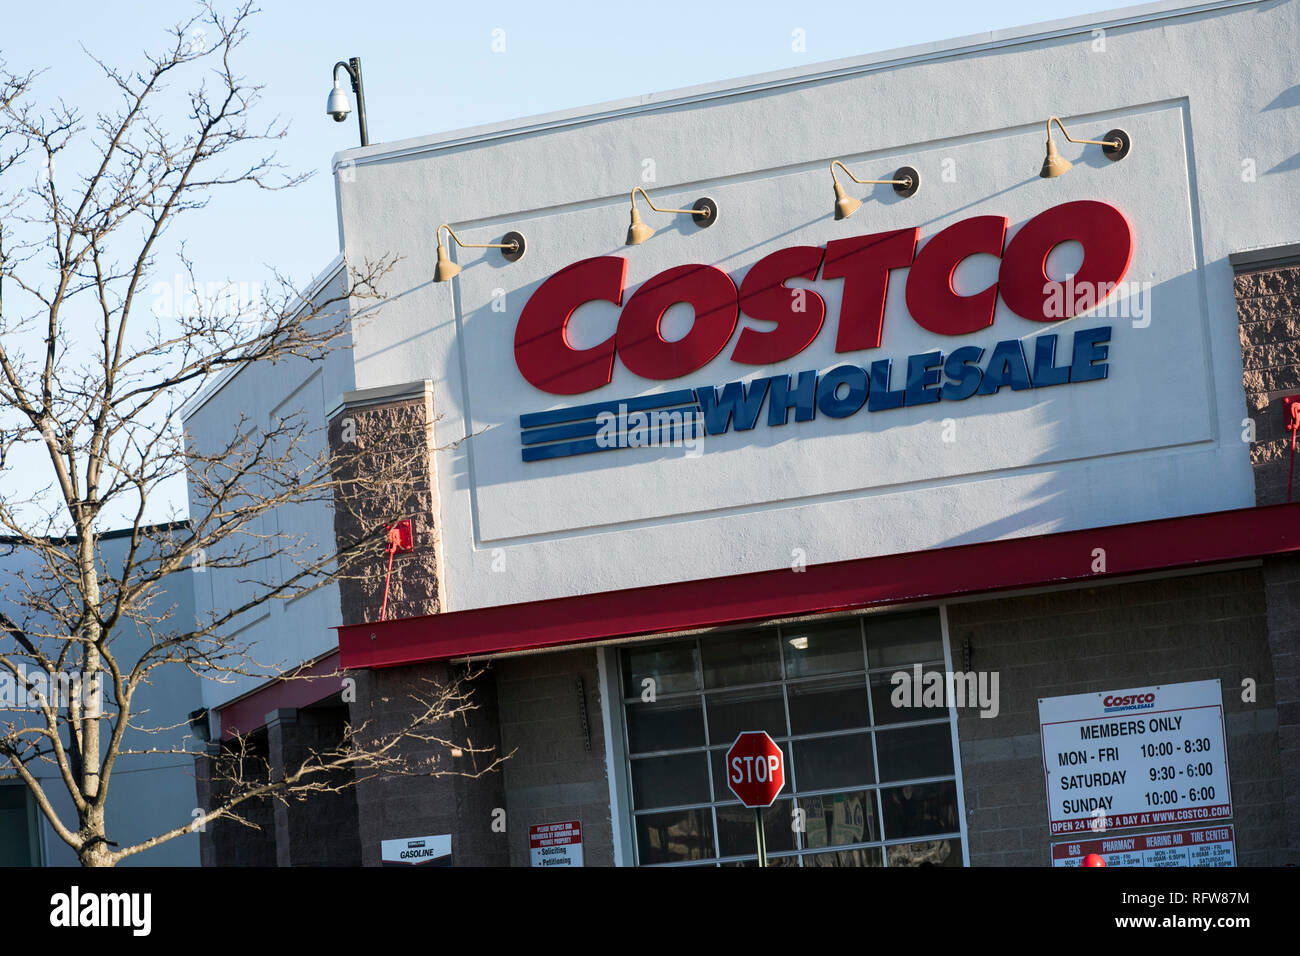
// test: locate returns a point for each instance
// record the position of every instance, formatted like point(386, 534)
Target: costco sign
point(546, 359)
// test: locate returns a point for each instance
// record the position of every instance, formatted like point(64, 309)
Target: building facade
point(1019, 426)
point(152, 788)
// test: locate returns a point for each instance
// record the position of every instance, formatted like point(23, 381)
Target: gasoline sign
point(417, 851)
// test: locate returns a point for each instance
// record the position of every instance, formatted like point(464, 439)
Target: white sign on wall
point(1140, 757)
point(417, 851)
point(1208, 846)
point(555, 844)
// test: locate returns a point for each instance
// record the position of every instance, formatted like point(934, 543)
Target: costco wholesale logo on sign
point(546, 359)
point(755, 769)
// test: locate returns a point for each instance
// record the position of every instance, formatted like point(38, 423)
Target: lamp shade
point(446, 268)
point(638, 232)
point(845, 205)
point(1055, 164)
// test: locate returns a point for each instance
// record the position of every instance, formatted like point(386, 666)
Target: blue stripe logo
point(670, 419)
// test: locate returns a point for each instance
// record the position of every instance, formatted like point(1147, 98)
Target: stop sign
point(755, 770)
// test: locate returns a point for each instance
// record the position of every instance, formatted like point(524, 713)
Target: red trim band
point(310, 684)
point(1013, 563)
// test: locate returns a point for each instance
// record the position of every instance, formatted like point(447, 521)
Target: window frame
point(625, 813)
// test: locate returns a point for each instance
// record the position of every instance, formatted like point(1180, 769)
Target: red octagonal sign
point(755, 769)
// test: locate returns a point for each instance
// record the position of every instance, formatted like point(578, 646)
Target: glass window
point(670, 781)
point(736, 836)
point(748, 657)
point(759, 708)
point(896, 640)
point(851, 738)
point(868, 856)
point(907, 753)
point(675, 836)
point(833, 763)
point(790, 860)
point(919, 810)
point(812, 649)
point(671, 724)
point(899, 696)
point(929, 853)
point(672, 667)
point(835, 819)
point(837, 703)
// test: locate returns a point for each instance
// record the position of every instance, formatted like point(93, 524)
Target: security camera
point(337, 105)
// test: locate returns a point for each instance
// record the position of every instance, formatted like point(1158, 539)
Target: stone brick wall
point(1268, 314)
point(391, 431)
point(1175, 629)
point(553, 776)
point(383, 451)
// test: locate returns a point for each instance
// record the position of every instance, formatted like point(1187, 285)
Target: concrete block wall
point(1164, 631)
point(1282, 594)
point(397, 806)
point(553, 776)
point(228, 842)
point(321, 828)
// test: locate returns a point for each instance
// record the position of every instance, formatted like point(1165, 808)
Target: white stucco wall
point(1200, 89)
point(282, 633)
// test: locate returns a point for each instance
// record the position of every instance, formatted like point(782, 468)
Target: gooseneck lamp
point(704, 212)
point(512, 249)
point(1115, 147)
point(338, 105)
point(906, 182)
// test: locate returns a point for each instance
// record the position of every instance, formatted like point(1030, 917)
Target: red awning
point(1013, 563)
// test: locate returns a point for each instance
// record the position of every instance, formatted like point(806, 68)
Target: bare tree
point(91, 384)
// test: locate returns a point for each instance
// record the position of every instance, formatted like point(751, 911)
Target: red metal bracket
point(399, 536)
point(399, 539)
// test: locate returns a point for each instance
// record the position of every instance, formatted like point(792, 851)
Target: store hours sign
point(1141, 757)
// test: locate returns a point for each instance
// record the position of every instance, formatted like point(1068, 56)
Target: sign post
point(756, 774)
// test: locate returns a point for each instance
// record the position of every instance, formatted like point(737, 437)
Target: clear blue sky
point(431, 67)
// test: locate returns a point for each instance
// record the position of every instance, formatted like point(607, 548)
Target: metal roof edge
point(216, 384)
point(977, 42)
